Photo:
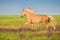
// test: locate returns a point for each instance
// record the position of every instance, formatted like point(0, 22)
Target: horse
point(33, 18)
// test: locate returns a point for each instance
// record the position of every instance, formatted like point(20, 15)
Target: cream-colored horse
point(32, 18)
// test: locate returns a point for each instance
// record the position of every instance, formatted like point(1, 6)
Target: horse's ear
point(23, 9)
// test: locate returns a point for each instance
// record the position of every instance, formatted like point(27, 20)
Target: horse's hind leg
point(46, 25)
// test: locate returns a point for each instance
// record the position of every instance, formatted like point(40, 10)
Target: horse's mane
point(29, 10)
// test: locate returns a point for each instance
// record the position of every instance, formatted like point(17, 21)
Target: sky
point(49, 7)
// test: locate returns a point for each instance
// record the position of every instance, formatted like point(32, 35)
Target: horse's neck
point(29, 15)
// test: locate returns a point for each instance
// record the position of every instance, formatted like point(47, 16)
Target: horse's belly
point(36, 21)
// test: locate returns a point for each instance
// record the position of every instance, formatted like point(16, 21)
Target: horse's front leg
point(32, 26)
point(26, 23)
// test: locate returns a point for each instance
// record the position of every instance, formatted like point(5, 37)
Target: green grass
point(12, 21)
point(57, 17)
point(15, 22)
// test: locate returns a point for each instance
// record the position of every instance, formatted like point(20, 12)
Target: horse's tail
point(52, 20)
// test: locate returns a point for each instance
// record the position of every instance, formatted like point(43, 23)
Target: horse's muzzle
point(21, 16)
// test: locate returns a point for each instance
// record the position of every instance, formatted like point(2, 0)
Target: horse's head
point(27, 12)
point(23, 13)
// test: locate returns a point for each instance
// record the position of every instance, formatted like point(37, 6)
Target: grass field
point(14, 22)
